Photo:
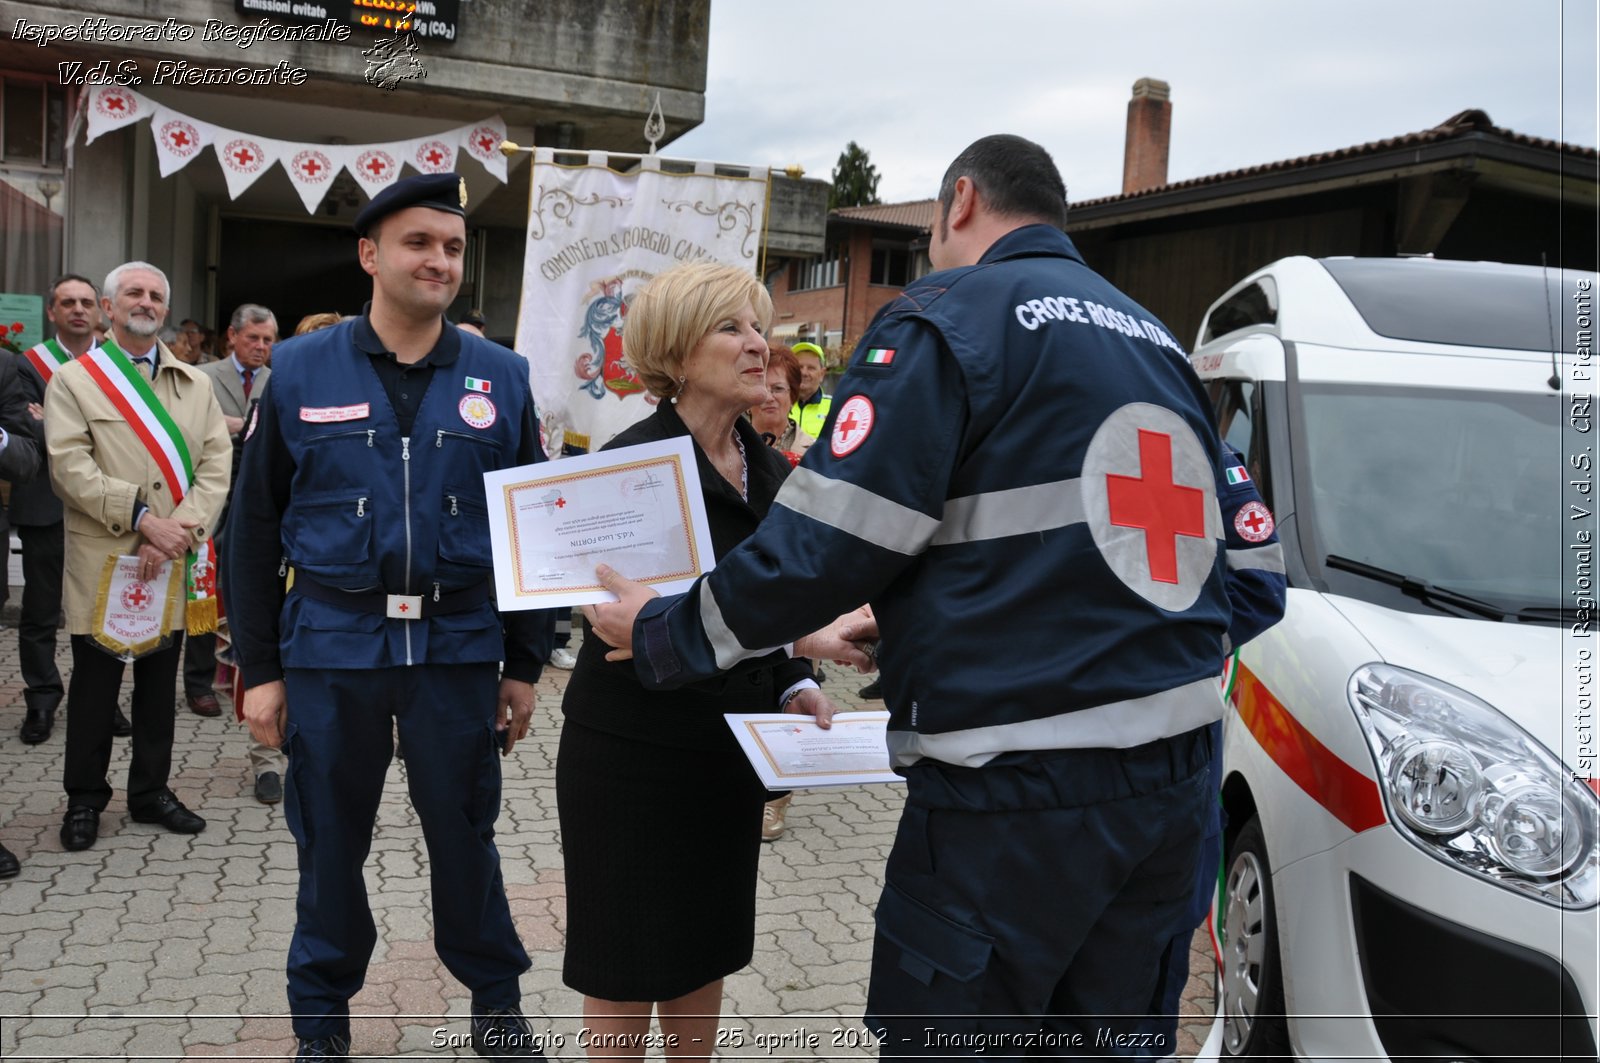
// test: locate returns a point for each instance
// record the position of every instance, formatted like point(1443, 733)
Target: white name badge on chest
point(332, 414)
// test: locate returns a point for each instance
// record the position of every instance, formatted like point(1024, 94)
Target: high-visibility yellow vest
point(812, 414)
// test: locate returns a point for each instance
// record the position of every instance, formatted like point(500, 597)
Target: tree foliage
point(855, 179)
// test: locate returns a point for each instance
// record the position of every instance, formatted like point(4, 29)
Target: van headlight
point(1469, 787)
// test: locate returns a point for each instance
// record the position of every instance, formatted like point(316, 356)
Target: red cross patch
point(1150, 502)
point(1253, 522)
point(852, 425)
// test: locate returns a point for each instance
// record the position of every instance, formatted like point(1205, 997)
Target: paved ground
point(161, 946)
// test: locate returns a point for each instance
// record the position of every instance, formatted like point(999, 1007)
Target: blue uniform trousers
point(1026, 906)
point(340, 741)
point(1175, 964)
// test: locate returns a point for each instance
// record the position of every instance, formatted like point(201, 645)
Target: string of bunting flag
point(311, 167)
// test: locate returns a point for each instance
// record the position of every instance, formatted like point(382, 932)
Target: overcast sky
point(1253, 81)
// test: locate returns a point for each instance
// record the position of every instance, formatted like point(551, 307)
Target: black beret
point(436, 191)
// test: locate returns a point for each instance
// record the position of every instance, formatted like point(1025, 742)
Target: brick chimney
point(1144, 155)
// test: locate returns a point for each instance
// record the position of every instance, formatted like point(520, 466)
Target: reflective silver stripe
point(857, 511)
point(1268, 558)
point(1115, 725)
point(729, 650)
point(1018, 511)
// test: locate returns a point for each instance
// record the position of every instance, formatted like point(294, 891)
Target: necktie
point(147, 366)
point(249, 378)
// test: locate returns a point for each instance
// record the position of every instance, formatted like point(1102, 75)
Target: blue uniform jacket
point(1021, 474)
point(330, 488)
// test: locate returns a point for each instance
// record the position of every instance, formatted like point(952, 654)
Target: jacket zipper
point(405, 466)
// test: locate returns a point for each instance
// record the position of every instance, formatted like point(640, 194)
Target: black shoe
point(121, 727)
point(168, 811)
point(505, 1033)
point(80, 828)
point(322, 1048)
point(873, 689)
point(10, 866)
point(269, 788)
point(37, 725)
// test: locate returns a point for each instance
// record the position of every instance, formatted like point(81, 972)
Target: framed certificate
point(638, 509)
point(790, 752)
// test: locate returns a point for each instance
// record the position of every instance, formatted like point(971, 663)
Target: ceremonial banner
point(132, 616)
point(594, 237)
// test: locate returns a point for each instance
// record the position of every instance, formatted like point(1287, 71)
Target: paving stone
point(173, 946)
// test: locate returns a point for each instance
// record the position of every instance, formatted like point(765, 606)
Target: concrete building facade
point(581, 74)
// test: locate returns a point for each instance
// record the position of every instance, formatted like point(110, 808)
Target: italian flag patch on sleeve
point(1237, 475)
point(880, 356)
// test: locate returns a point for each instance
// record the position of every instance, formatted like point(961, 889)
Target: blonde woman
point(660, 812)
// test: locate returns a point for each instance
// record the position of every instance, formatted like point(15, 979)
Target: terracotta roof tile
point(918, 214)
point(1469, 121)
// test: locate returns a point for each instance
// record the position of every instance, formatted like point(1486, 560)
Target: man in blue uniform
point(362, 471)
point(1020, 468)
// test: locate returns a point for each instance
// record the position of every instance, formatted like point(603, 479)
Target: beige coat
point(99, 467)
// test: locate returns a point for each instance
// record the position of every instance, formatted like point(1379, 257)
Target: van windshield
point(1461, 489)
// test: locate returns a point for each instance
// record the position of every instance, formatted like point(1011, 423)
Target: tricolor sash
point(116, 375)
point(47, 357)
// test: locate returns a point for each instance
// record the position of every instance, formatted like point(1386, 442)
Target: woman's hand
point(813, 702)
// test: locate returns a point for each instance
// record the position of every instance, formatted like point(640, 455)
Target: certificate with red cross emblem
point(638, 509)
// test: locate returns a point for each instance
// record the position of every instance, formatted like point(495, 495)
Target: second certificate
point(638, 509)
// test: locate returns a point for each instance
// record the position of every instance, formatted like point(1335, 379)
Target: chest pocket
point(328, 534)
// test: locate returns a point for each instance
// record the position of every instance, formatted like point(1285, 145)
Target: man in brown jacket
point(107, 466)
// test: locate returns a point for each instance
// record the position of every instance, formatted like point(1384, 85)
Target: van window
point(1255, 304)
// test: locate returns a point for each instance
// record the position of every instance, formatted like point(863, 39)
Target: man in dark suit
point(19, 463)
point(238, 380)
point(72, 306)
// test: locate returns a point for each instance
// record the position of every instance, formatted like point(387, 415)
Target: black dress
point(660, 811)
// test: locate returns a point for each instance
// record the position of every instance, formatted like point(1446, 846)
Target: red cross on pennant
point(180, 138)
point(376, 166)
point(436, 156)
point(137, 596)
point(311, 168)
point(114, 102)
point(486, 143)
point(1152, 502)
point(244, 156)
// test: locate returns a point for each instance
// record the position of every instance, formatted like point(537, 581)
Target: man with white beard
point(140, 458)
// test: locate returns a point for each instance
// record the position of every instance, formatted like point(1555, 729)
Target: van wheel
point(1253, 1022)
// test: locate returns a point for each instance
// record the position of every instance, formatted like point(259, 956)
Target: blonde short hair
point(675, 310)
point(313, 322)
